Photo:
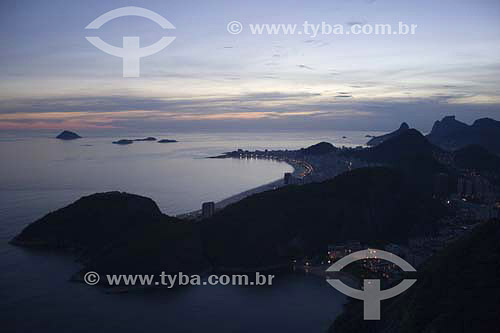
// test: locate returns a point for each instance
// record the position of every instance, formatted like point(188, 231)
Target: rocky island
point(123, 142)
point(149, 138)
point(68, 135)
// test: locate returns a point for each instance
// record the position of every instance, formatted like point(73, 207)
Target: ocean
point(39, 174)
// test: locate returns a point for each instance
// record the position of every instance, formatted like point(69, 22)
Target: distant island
point(150, 138)
point(123, 142)
point(68, 135)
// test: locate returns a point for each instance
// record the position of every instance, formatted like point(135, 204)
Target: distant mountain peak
point(486, 122)
point(379, 139)
point(408, 136)
point(446, 126)
point(452, 134)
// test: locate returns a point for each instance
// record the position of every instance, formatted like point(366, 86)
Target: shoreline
point(242, 195)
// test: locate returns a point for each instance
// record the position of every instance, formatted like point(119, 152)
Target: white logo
point(371, 293)
point(131, 51)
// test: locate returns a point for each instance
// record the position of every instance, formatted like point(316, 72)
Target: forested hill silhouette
point(319, 149)
point(118, 232)
point(410, 153)
point(123, 233)
point(272, 227)
point(477, 158)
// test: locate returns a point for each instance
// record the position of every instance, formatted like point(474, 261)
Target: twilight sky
point(53, 78)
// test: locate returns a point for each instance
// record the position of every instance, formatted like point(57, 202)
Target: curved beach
point(297, 171)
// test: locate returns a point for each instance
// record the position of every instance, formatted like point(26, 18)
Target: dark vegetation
point(119, 232)
point(410, 153)
point(476, 158)
point(457, 290)
point(272, 227)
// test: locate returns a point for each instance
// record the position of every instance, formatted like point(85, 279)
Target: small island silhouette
point(130, 141)
point(68, 135)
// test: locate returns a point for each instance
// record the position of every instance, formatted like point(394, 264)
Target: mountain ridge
point(452, 134)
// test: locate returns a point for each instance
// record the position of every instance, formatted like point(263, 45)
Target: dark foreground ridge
point(124, 233)
point(68, 135)
point(273, 227)
point(458, 290)
point(410, 153)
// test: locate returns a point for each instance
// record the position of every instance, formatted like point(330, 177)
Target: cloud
point(305, 67)
point(342, 94)
point(60, 107)
point(255, 110)
point(274, 96)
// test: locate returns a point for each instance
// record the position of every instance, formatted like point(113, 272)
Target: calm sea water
point(39, 174)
